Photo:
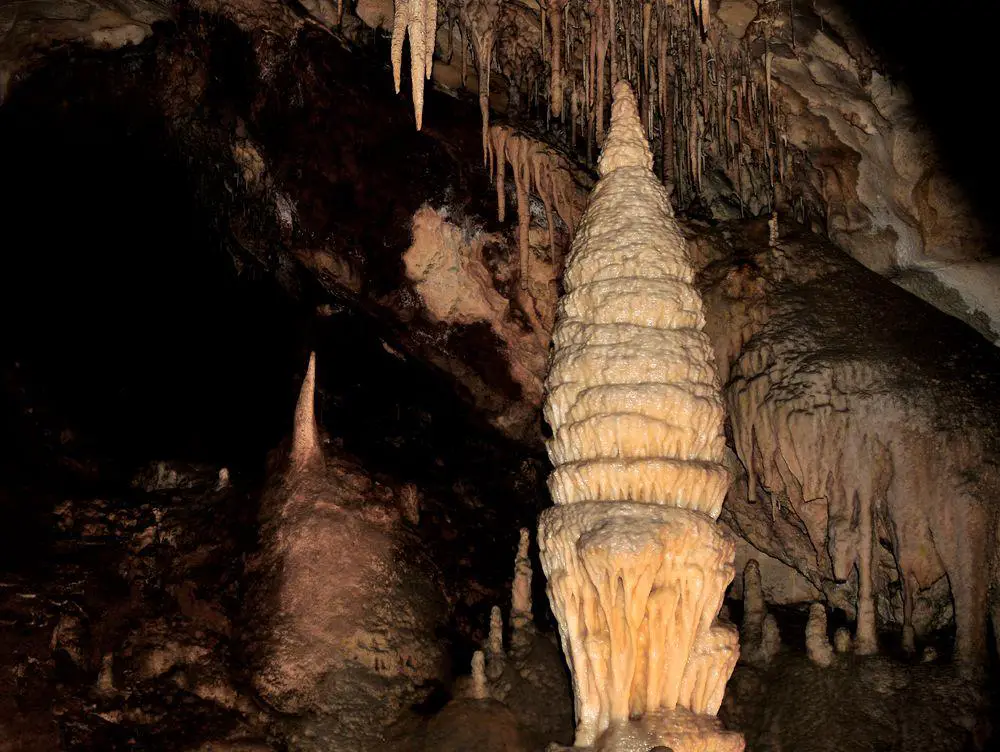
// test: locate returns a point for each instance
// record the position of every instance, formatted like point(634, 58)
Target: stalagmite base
point(636, 565)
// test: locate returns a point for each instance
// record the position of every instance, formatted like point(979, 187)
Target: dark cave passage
point(128, 321)
point(136, 328)
point(138, 338)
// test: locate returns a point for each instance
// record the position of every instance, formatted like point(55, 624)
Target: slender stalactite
point(555, 11)
point(479, 20)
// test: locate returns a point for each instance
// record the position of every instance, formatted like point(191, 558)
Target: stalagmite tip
point(305, 434)
point(626, 145)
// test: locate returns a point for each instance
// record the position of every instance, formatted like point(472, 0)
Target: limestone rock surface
point(871, 457)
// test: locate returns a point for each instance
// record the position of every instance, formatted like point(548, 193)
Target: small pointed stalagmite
point(817, 642)
point(521, 619)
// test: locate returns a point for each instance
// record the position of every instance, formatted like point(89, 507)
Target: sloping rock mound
point(866, 421)
point(343, 613)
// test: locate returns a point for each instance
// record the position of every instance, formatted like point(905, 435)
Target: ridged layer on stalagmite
point(631, 320)
point(636, 565)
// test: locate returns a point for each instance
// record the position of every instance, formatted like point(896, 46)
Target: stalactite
point(574, 114)
point(498, 141)
point(555, 10)
point(663, 88)
point(430, 36)
point(591, 77)
point(416, 19)
point(613, 38)
point(479, 18)
point(465, 62)
point(521, 162)
point(647, 20)
point(568, 52)
point(602, 38)
point(542, 175)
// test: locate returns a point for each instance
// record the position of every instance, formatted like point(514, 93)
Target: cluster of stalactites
point(701, 95)
point(537, 169)
point(636, 566)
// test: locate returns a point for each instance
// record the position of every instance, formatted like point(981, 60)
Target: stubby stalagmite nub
point(636, 565)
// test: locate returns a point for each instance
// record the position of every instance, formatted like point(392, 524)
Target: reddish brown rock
point(342, 616)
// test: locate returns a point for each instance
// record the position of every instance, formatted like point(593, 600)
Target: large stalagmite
point(636, 565)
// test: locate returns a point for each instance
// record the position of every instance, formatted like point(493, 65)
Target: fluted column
point(636, 565)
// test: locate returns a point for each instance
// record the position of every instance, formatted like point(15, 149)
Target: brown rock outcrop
point(342, 615)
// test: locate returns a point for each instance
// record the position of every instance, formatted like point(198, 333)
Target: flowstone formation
point(636, 565)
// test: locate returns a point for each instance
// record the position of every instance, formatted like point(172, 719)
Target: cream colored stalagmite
point(636, 565)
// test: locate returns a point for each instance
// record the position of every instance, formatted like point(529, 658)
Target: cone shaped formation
point(636, 566)
point(418, 20)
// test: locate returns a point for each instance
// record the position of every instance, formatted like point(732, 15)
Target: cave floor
point(870, 704)
point(124, 639)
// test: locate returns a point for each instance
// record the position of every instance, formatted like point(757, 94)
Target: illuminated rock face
point(636, 565)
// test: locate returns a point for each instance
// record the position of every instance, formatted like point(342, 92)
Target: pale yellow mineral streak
point(636, 566)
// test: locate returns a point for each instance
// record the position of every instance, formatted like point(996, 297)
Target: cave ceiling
point(808, 109)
